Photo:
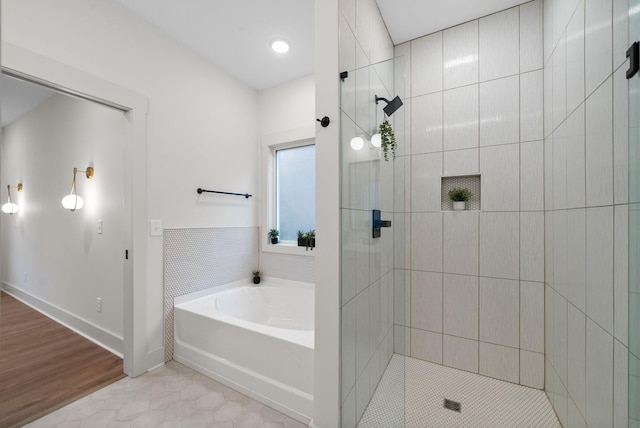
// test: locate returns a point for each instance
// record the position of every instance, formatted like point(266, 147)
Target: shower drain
point(452, 405)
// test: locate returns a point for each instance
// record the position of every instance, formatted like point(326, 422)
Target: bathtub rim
point(247, 281)
point(304, 338)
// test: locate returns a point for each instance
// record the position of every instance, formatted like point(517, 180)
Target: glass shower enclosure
point(373, 218)
point(634, 226)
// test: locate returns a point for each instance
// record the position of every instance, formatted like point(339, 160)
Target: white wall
point(586, 211)
point(202, 123)
point(48, 252)
point(284, 111)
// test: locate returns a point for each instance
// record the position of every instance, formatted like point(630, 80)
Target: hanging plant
point(388, 143)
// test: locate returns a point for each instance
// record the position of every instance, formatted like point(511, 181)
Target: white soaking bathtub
point(257, 339)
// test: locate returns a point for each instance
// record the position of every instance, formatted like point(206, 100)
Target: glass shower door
point(634, 227)
point(372, 268)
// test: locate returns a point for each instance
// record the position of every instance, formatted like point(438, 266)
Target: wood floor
point(44, 365)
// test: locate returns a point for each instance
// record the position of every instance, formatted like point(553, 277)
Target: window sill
point(287, 248)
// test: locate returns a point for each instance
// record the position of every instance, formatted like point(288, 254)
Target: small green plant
point(311, 239)
point(256, 277)
point(273, 233)
point(300, 234)
point(388, 140)
point(458, 194)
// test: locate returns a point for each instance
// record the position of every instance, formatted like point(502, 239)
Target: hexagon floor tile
point(171, 396)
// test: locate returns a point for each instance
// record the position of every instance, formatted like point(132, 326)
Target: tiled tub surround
point(256, 339)
point(586, 151)
point(475, 292)
point(196, 259)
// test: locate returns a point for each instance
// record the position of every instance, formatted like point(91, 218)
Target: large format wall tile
point(426, 241)
point(460, 55)
point(575, 59)
point(426, 120)
point(575, 159)
point(500, 245)
point(426, 301)
point(499, 45)
point(461, 118)
point(532, 316)
point(461, 306)
point(460, 243)
point(499, 166)
point(500, 311)
point(532, 246)
point(460, 353)
point(599, 379)
point(500, 111)
point(531, 106)
point(426, 64)
point(426, 171)
point(599, 266)
point(598, 43)
point(576, 348)
point(531, 38)
point(599, 146)
point(532, 369)
point(499, 362)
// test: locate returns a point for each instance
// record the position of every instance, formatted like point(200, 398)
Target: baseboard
point(155, 358)
point(97, 335)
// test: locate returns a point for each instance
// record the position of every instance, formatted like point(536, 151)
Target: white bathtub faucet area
point(256, 339)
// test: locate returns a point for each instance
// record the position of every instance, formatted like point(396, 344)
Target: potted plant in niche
point(273, 235)
point(256, 277)
point(459, 196)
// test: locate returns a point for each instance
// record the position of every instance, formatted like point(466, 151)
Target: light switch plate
point(155, 227)
point(99, 227)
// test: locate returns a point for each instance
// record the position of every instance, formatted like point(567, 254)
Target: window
point(295, 191)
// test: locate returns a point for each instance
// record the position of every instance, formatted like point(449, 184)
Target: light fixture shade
point(357, 143)
point(72, 202)
point(376, 140)
point(10, 208)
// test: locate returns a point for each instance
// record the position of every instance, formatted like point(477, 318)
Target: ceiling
point(236, 34)
point(409, 19)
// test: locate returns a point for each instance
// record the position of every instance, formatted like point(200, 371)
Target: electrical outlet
point(99, 227)
point(99, 304)
point(26, 277)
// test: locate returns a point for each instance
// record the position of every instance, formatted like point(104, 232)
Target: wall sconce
point(72, 201)
point(10, 207)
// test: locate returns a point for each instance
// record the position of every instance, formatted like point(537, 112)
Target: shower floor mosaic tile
point(172, 396)
point(412, 392)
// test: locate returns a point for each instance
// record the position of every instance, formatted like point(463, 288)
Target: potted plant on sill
point(459, 196)
point(256, 277)
point(311, 239)
point(273, 235)
point(302, 238)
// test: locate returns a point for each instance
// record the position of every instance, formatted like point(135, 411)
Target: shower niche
point(471, 182)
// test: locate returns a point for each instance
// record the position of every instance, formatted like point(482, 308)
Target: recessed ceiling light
point(280, 46)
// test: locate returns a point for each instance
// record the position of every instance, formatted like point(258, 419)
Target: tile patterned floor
point(172, 396)
point(411, 394)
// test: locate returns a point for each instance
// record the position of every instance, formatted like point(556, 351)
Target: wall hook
point(324, 122)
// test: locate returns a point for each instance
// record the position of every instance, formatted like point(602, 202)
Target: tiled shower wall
point(195, 259)
point(586, 203)
point(476, 296)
